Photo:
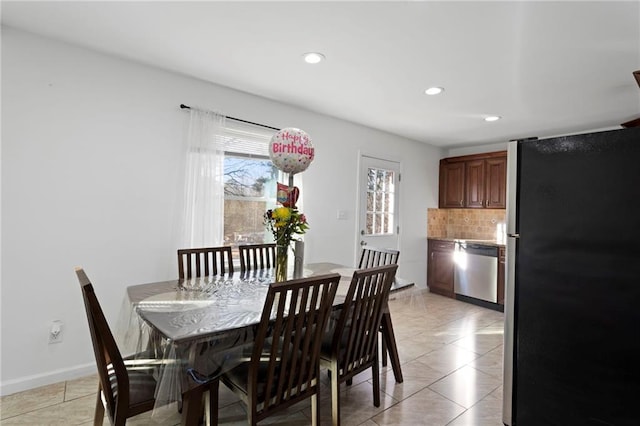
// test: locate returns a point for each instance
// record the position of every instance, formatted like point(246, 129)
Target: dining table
point(204, 326)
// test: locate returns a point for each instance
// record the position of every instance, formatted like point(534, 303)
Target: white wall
point(478, 149)
point(91, 159)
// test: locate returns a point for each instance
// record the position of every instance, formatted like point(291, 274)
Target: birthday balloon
point(291, 150)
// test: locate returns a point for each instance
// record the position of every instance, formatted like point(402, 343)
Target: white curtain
point(203, 207)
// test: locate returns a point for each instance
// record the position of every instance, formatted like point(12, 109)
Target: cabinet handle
point(461, 202)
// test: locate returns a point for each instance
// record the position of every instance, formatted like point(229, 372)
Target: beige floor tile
point(232, 415)
point(34, 399)
point(424, 408)
point(410, 350)
point(81, 387)
point(226, 396)
point(470, 323)
point(496, 394)
point(490, 363)
point(466, 386)
point(479, 342)
point(296, 415)
point(496, 327)
point(75, 412)
point(429, 338)
point(288, 418)
point(145, 419)
point(151, 418)
point(447, 359)
point(407, 331)
point(356, 405)
point(402, 391)
point(487, 412)
point(413, 370)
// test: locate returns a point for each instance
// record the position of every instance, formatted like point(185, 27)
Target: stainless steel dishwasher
point(476, 271)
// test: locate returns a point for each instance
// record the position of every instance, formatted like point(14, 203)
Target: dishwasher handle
point(479, 249)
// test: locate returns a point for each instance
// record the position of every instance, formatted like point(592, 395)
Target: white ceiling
point(548, 68)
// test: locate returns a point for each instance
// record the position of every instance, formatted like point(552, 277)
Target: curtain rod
point(183, 106)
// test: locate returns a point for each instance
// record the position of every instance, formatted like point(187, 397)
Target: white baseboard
point(9, 387)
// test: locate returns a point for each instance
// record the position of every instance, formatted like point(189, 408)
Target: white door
point(379, 203)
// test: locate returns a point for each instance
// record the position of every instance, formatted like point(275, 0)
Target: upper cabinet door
point(475, 191)
point(496, 183)
point(451, 191)
point(474, 181)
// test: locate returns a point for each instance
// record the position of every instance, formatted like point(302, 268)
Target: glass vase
point(282, 258)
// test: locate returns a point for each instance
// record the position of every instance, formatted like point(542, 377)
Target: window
point(249, 183)
point(380, 201)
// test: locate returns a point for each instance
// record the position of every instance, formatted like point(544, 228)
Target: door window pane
point(380, 201)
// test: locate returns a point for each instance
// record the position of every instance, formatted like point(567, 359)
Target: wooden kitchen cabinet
point(440, 267)
point(496, 183)
point(501, 274)
point(451, 188)
point(474, 181)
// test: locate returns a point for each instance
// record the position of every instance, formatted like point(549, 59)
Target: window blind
point(246, 139)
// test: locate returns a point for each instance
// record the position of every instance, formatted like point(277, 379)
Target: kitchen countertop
point(493, 243)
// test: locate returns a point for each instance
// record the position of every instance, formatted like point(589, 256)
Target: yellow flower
point(285, 223)
point(282, 214)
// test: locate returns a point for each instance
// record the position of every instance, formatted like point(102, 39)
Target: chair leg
point(335, 397)
point(375, 372)
point(384, 349)
point(212, 406)
point(98, 417)
point(315, 413)
point(192, 406)
point(389, 339)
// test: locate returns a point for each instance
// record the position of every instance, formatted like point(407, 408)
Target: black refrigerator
point(572, 310)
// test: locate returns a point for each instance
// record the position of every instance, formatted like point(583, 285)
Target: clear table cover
point(205, 323)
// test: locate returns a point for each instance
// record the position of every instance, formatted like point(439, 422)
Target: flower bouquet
point(284, 223)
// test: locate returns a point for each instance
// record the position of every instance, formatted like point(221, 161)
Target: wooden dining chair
point(126, 386)
point(284, 365)
point(257, 256)
point(351, 345)
point(204, 262)
point(124, 389)
point(370, 257)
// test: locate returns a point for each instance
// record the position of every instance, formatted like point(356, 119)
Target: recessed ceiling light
point(492, 118)
point(434, 90)
point(313, 57)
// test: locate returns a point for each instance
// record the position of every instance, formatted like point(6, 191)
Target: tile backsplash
point(478, 224)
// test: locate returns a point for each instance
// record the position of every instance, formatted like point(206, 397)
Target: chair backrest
point(203, 262)
point(105, 349)
point(286, 353)
point(371, 257)
point(257, 256)
point(355, 337)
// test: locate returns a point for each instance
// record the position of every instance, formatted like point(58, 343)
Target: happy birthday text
point(292, 148)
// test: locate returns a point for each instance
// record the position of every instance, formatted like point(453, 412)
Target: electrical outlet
point(56, 331)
